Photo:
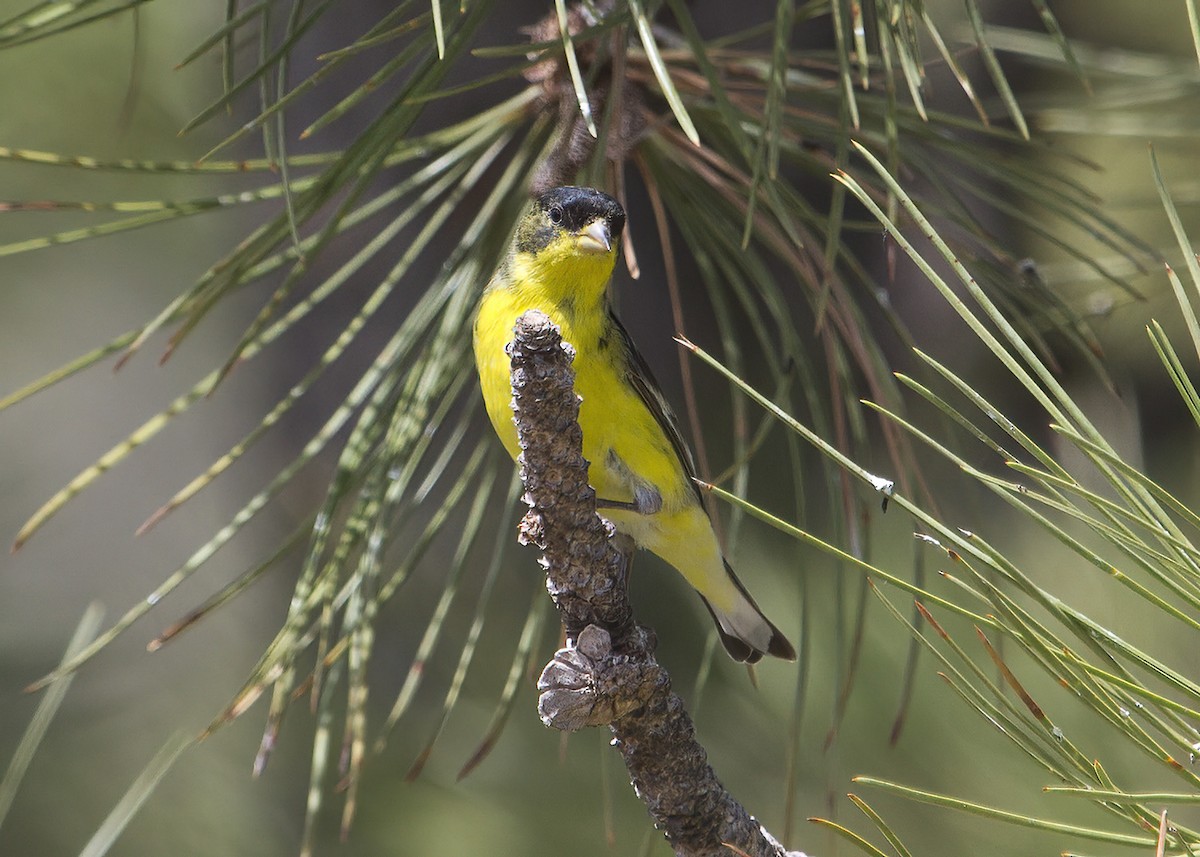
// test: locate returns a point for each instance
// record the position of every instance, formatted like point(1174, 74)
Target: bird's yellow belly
point(622, 441)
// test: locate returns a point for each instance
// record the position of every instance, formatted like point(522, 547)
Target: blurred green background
point(536, 794)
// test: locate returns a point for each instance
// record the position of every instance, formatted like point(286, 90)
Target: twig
point(607, 674)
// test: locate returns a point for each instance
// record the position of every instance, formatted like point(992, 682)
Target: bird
point(561, 261)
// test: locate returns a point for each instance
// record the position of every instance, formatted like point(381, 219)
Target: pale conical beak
point(594, 238)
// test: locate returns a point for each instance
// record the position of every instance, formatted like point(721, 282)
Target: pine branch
point(607, 674)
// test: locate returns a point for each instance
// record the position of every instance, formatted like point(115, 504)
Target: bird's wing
point(642, 379)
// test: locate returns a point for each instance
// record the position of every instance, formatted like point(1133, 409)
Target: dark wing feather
point(638, 373)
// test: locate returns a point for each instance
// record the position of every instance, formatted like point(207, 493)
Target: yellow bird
point(561, 261)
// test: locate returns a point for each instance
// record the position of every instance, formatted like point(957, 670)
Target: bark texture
point(607, 674)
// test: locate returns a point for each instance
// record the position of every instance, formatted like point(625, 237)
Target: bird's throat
point(571, 288)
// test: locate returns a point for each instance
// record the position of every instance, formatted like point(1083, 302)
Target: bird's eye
point(555, 215)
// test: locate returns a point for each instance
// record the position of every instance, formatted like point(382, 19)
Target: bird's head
point(569, 237)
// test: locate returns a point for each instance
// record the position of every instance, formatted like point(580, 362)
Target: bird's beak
point(595, 238)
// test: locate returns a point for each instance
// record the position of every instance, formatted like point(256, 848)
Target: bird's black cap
point(576, 207)
point(569, 209)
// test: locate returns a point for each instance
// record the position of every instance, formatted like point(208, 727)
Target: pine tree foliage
point(760, 167)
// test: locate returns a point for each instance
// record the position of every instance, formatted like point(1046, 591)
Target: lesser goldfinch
point(561, 261)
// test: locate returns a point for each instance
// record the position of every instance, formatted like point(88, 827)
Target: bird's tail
point(745, 632)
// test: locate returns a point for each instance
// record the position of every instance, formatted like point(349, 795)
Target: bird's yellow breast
point(622, 439)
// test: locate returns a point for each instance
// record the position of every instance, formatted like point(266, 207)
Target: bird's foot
point(646, 501)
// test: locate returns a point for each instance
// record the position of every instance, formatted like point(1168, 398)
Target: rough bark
point(607, 674)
